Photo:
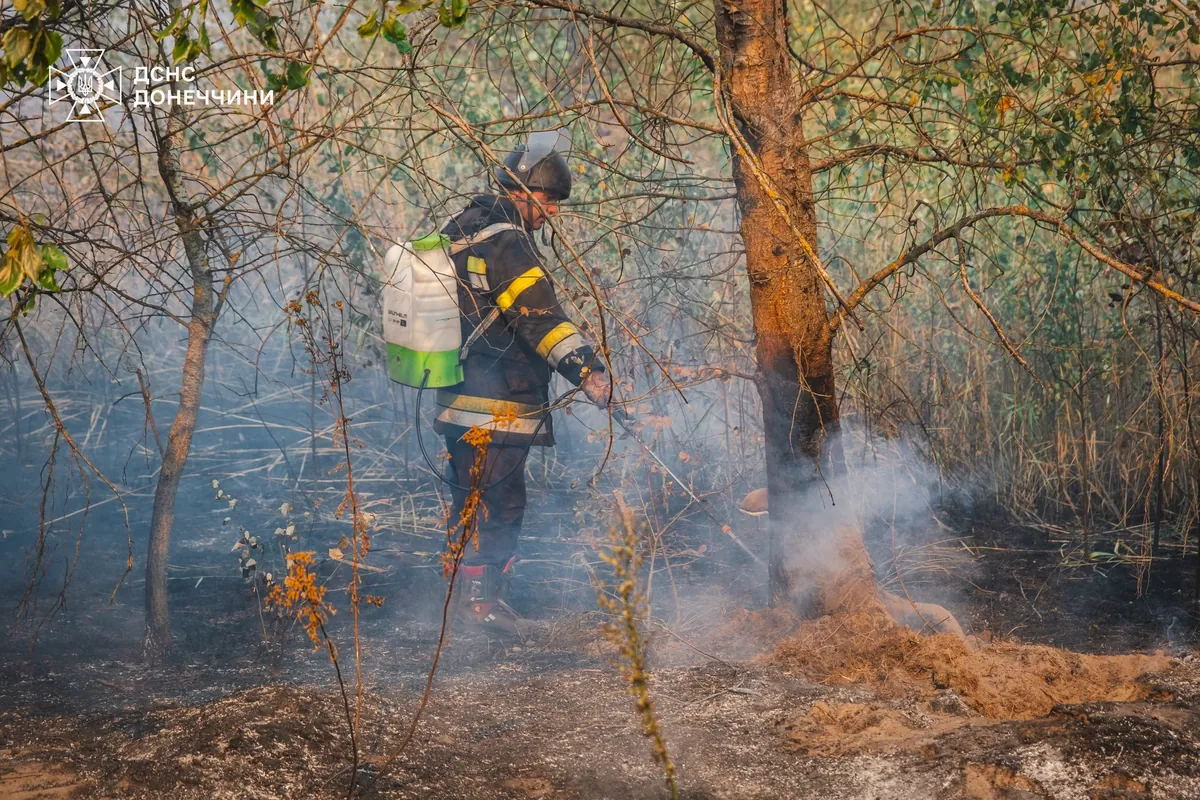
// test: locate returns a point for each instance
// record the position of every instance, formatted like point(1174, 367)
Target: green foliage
point(32, 9)
point(25, 260)
point(294, 76)
point(392, 29)
point(453, 13)
point(188, 45)
point(370, 28)
point(395, 32)
point(248, 14)
point(29, 52)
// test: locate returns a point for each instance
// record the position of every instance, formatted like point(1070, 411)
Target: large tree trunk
point(157, 641)
point(786, 293)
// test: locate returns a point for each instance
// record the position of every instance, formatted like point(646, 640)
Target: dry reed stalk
point(626, 603)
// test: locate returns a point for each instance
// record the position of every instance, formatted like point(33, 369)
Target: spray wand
point(627, 422)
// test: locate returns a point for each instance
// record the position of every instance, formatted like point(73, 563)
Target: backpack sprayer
point(421, 317)
point(422, 320)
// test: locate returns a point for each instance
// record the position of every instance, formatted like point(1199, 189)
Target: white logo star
point(86, 84)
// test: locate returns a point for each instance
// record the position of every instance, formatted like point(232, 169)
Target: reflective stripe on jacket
point(521, 332)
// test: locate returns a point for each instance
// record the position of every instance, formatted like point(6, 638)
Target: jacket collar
point(493, 209)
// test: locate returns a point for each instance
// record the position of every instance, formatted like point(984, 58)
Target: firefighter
point(517, 335)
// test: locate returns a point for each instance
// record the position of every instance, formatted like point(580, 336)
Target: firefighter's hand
point(598, 387)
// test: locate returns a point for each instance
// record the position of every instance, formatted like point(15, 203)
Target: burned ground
point(543, 724)
point(743, 717)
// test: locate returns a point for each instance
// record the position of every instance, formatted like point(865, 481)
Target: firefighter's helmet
point(539, 165)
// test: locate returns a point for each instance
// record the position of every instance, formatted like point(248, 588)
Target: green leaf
point(394, 31)
point(369, 28)
point(17, 43)
point(243, 11)
point(409, 6)
point(46, 281)
point(50, 48)
point(172, 26)
point(260, 24)
point(53, 258)
point(453, 13)
point(38, 74)
point(180, 51)
point(29, 9)
point(21, 261)
point(297, 75)
point(26, 259)
point(274, 81)
point(10, 278)
point(205, 45)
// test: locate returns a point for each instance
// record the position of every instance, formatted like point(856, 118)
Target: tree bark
point(157, 642)
point(791, 322)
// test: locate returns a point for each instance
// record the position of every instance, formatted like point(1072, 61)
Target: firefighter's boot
point(480, 603)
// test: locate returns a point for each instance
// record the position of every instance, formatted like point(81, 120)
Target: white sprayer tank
point(421, 321)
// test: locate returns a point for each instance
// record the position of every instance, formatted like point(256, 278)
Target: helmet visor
point(541, 145)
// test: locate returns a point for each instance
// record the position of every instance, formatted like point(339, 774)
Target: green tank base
point(408, 367)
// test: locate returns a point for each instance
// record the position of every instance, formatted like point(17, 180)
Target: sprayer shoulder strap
point(481, 236)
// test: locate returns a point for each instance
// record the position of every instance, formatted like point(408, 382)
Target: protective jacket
point(507, 369)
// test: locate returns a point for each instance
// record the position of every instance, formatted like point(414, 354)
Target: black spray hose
point(505, 476)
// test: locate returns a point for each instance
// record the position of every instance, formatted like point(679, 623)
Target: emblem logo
point(86, 84)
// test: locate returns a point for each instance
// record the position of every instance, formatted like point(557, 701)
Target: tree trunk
point(157, 642)
point(794, 343)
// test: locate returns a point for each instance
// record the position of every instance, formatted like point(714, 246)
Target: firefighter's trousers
point(502, 496)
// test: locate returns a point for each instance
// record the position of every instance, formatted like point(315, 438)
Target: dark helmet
point(538, 166)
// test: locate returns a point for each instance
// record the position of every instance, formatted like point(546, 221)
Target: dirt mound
point(1016, 681)
point(858, 642)
point(1002, 681)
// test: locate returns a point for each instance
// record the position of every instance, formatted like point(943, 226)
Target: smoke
point(889, 497)
point(888, 494)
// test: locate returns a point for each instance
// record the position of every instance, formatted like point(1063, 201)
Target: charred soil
point(754, 706)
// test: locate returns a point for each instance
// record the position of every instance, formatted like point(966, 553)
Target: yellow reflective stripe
point(527, 279)
point(472, 419)
point(486, 405)
point(556, 335)
point(476, 265)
